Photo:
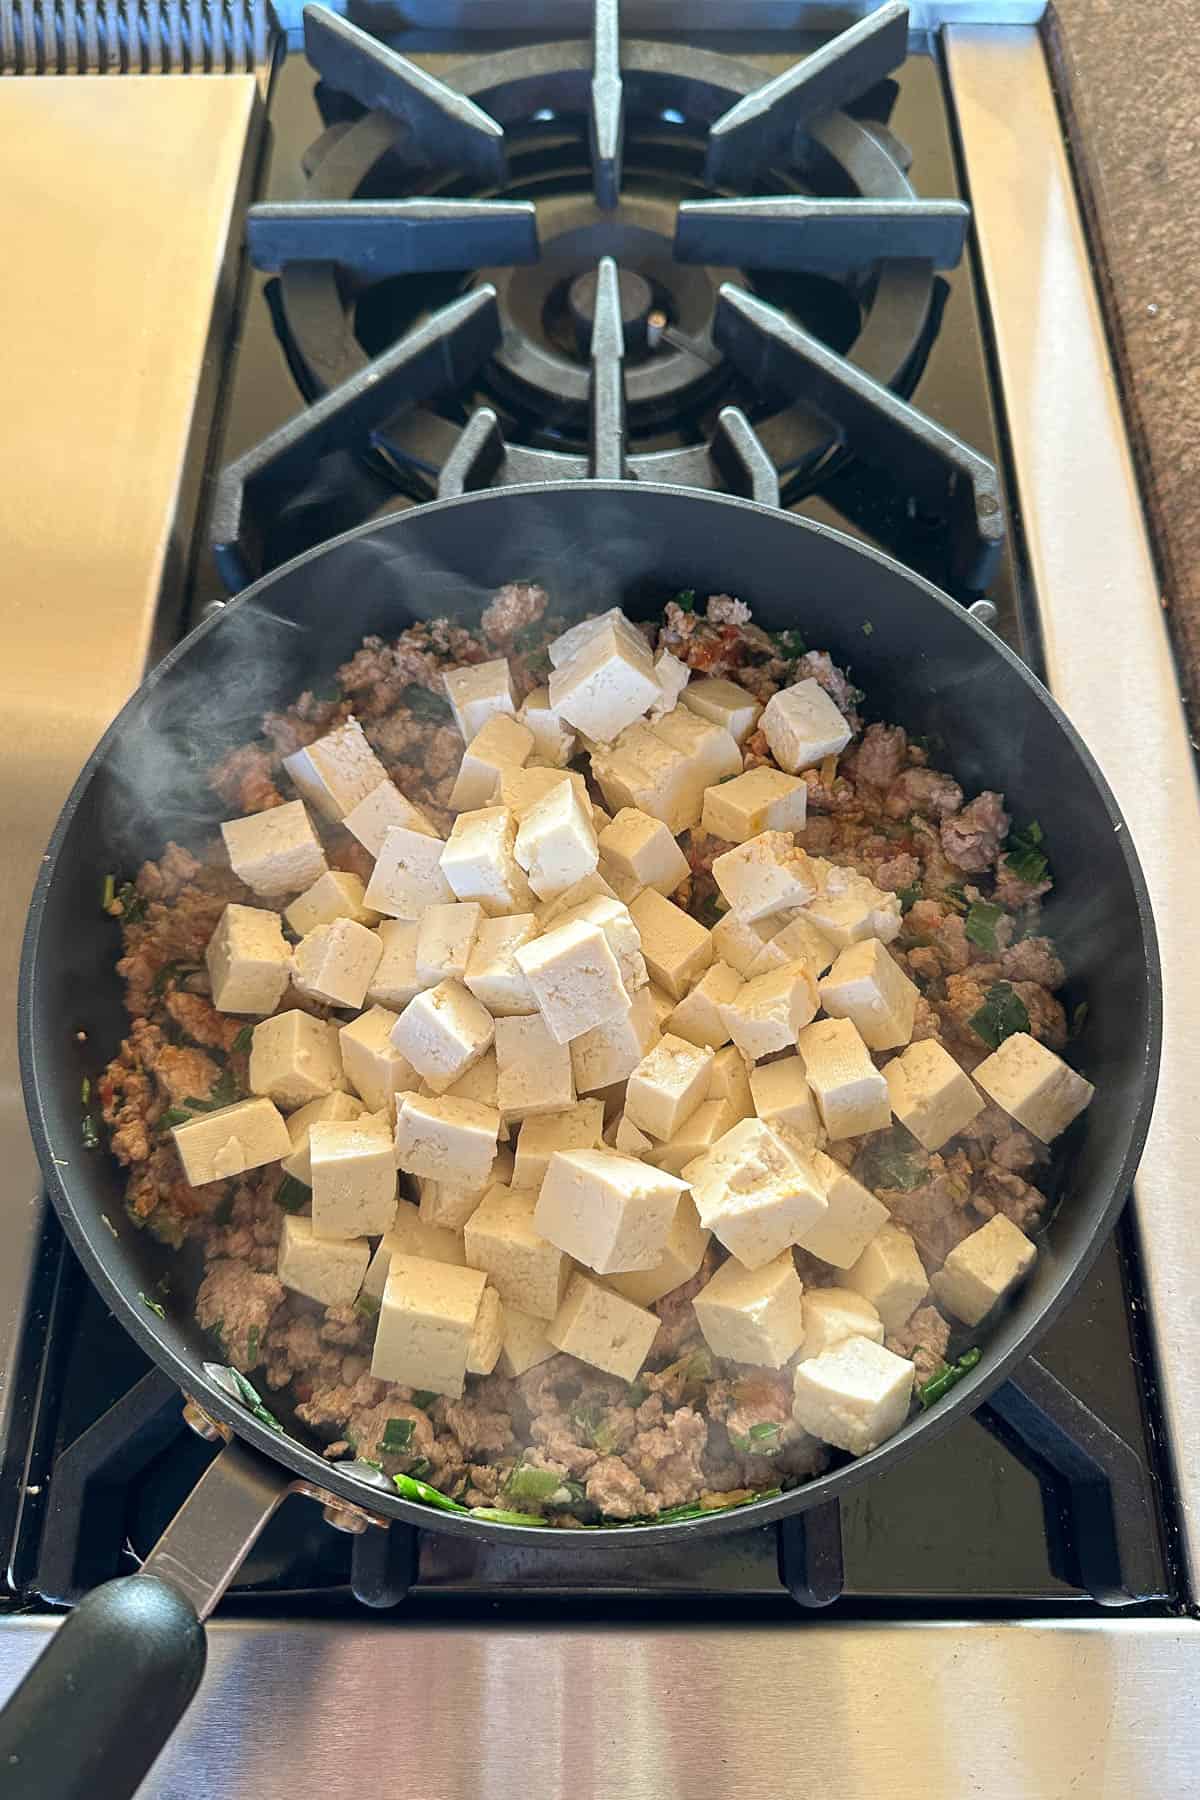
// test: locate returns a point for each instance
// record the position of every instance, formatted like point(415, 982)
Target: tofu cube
point(854, 1396)
point(446, 1140)
point(698, 1133)
point(753, 1315)
point(603, 1328)
point(394, 982)
point(295, 1058)
point(248, 961)
point(982, 1269)
point(553, 741)
point(609, 1212)
point(729, 1079)
point(667, 1086)
point(411, 1235)
point(930, 1094)
point(681, 1256)
point(556, 842)
point(769, 1013)
point(478, 693)
point(524, 1267)
point(336, 895)
point(523, 1342)
point(797, 941)
point(609, 1053)
point(605, 684)
point(847, 907)
point(334, 1106)
point(231, 1140)
point(480, 1082)
point(487, 1339)
point(1034, 1086)
point(578, 1127)
point(533, 1069)
point(336, 771)
point(522, 788)
point(623, 1135)
point(699, 1016)
point(575, 978)
point(442, 1032)
point(891, 1275)
point(672, 677)
point(642, 849)
point(831, 1315)
point(493, 974)
point(445, 937)
point(761, 800)
point(782, 1097)
point(615, 921)
point(275, 852)
point(802, 726)
point(643, 771)
point(755, 1193)
point(385, 806)
point(710, 751)
point(590, 887)
point(662, 1003)
point(764, 875)
point(867, 986)
point(335, 963)
point(427, 1319)
point(328, 1270)
point(501, 743)
point(570, 642)
point(852, 1219)
point(376, 1070)
point(408, 875)
point(851, 1093)
point(724, 703)
point(677, 948)
point(740, 942)
point(447, 1208)
point(353, 1176)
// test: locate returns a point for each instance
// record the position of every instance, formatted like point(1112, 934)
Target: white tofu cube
point(710, 751)
point(698, 1133)
point(797, 941)
point(802, 726)
point(478, 693)
point(851, 1093)
point(502, 743)
point(385, 806)
point(445, 936)
point(724, 703)
point(782, 1096)
point(353, 1169)
point(753, 1191)
point(623, 1135)
point(374, 1067)
point(610, 1052)
point(761, 800)
point(867, 986)
point(411, 1235)
point(891, 1275)
point(663, 1004)
point(394, 982)
point(493, 974)
point(847, 907)
point(523, 1342)
point(677, 948)
point(248, 961)
point(853, 1217)
point(446, 1208)
point(408, 875)
point(578, 1127)
point(335, 963)
point(616, 922)
point(231, 1140)
point(982, 1269)
point(334, 1106)
point(553, 741)
point(764, 875)
point(667, 1086)
point(1034, 1086)
point(480, 1082)
point(672, 677)
point(442, 1032)
point(479, 862)
point(729, 1079)
point(575, 978)
point(642, 849)
point(328, 1270)
point(605, 685)
point(524, 1267)
point(295, 1058)
point(854, 1396)
point(275, 852)
point(590, 887)
point(522, 788)
point(769, 1013)
point(699, 1016)
point(609, 1212)
point(930, 1094)
point(831, 1315)
point(446, 1140)
point(487, 1339)
point(533, 1069)
point(603, 1328)
point(570, 642)
point(753, 1315)
point(336, 771)
point(555, 842)
point(426, 1322)
point(643, 771)
point(682, 1255)
point(740, 942)
point(336, 895)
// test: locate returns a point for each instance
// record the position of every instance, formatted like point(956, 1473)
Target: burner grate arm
point(606, 385)
point(380, 238)
point(607, 124)
point(822, 237)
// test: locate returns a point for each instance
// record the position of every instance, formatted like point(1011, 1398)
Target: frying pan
point(122, 1669)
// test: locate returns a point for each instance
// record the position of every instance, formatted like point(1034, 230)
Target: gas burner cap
point(637, 302)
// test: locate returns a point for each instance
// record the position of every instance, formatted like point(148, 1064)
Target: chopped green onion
point(867, 628)
point(108, 892)
point(908, 897)
point(496, 1517)
point(174, 1115)
point(410, 1489)
point(90, 1132)
point(252, 1400)
point(253, 1338)
point(131, 903)
point(1024, 854)
point(420, 1468)
point(705, 1512)
point(292, 1195)
point(154, 1305)
point(887, 1162)
point(424, 1398)
point(244, 1039)
point(637, 1393)
point(1079, 1019)
point(761, 1439)
point(1002, 1014)
point(685, 600)
point(423, 703)
point(367, 1304)
point(525, 1483)
point(85, 1090)
point(172, 971)
point(790, 643)
point(948, 1377)
point(955, 897)
point(981, 923)
point(397, 1436)
point(222, 1093)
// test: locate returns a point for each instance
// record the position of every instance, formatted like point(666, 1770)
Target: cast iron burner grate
point(609, 260)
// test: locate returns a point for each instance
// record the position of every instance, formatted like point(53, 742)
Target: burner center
point(637, 298)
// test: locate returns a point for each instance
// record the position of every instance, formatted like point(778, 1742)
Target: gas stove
point(840, 271)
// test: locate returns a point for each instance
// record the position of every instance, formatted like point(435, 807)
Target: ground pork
point(723, 609)
point(481, 1430)
point(880, 755)
point(922, 791)
point(1033, 959)
point(236, 1304)
point(923, 1339)
point(513, 608)
point(934, 1212)
point(1012, 892)
point(667, 1458)
point(613, 1487)
point(972, 838)
point(998, 1189)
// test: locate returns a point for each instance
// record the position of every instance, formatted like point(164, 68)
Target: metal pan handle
point(101, 1701)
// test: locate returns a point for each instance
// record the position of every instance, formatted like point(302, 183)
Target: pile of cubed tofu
point(583, 1082)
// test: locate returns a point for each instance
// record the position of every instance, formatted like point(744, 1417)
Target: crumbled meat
point(167, 878)
point(678, 1316)
point(879, 758)
point(667, 1457)
point(245, 780)
point(1033, 959)
point(615, 1490)
point(999, 1189)
point(972, 838)
point(1012, 892)
point(723, 609)
point(201, 1021)
point(922, 791)
point(254, 1224)
point(481, 1430)
point(237, 1303)
point(934, 1212)
point(511, 609)
point(895, 873)
point(923, 1339)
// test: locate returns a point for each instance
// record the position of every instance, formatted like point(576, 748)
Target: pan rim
point(306, 1463)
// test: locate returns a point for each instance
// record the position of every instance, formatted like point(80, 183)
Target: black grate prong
point(758, 130)
point(606, 387)
point(383, 1565)
point(946, 477)
point(475, 458)
point(810, 1555)
point(740, 460)
point(380, 238)
point(607, 103)
point(823, 237)
point(443, 129)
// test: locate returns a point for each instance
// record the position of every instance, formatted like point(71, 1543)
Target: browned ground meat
point(880, 756)
point(237, 1303)
point(923, 1340)
point(1033, 959)
point(615, 1490)
point(923, 791)
point(513, 608)
point(973, 837)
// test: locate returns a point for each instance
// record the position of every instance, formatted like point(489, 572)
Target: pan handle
point(104, 1697)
